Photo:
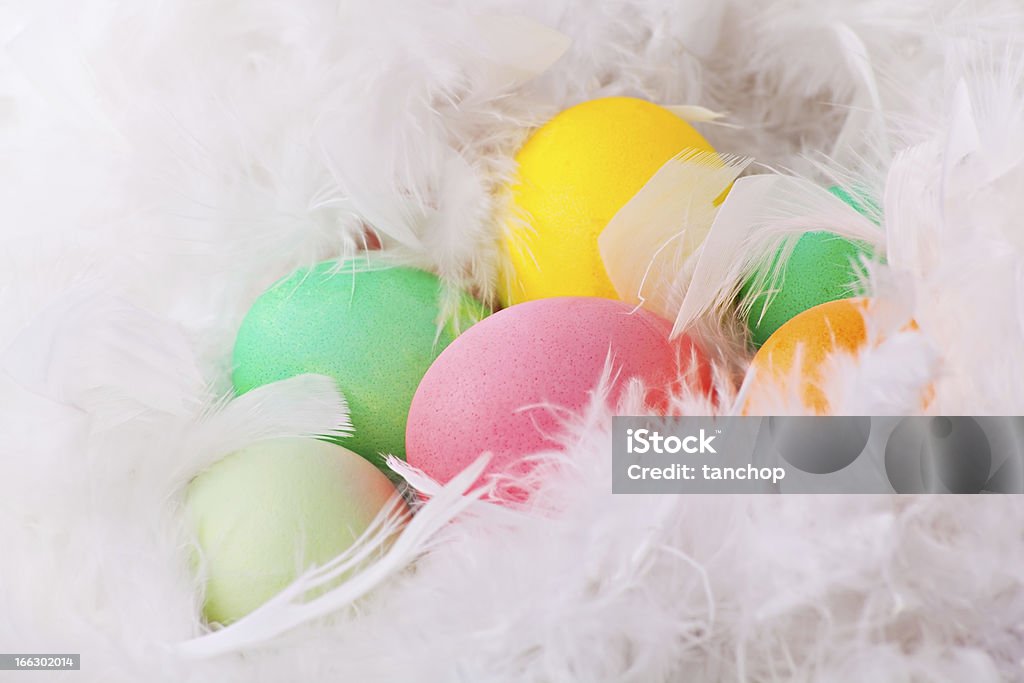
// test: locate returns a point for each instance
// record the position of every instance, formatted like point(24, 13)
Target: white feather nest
point(161, 163)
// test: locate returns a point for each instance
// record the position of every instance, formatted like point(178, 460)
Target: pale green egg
point(265, 513)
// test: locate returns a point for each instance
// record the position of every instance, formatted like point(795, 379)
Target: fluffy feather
point(762, 216)
point(647, 246)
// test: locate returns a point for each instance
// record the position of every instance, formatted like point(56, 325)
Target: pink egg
point(482, 392)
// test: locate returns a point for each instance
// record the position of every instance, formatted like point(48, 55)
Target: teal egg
point(370, 326)
point(269, 511)
point(822, 267)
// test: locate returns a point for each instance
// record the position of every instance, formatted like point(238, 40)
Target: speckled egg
point(574, 173)
point(370, 326)
point(265, 513)
point(810, 338)
point(484, 392)
point(822, 267)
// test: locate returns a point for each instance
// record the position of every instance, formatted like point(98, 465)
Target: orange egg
point(808, 338)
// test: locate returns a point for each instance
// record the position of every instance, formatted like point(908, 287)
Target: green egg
point(822, 267)
point(369, 325)
point(264, 514)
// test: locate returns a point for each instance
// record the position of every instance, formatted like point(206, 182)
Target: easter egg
point(264, 514)
point(574, 174)
point(371, 327)
point(808, 338)
point(821, 267)
point(497, 387)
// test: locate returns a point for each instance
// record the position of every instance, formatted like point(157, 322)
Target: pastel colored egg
point(574, 174)
point(485, 391)
point(809, 339)
point(371, 327)
point(822, 267)
point(264, 514)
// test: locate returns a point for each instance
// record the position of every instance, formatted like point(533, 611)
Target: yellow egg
point(575, 173)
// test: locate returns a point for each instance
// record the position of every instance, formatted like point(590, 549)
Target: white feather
point(646, 246)
point(301, 406)
point(866, 118)
point(694, 113)
point(761, 217)
point(98, 353)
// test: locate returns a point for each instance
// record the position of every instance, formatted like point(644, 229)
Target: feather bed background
point(161, 163)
